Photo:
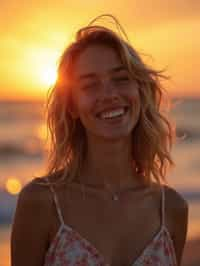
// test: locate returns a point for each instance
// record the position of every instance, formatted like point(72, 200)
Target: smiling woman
point(104, 200)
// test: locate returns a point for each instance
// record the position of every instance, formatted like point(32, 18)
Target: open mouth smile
point(113, 114)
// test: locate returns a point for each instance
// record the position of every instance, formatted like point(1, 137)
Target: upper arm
point(30, 228)
point(178, 212)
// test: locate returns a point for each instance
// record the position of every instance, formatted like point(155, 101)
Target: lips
point(108, 111)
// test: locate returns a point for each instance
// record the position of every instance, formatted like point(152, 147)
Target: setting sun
point(44, 66)
point(48, 76)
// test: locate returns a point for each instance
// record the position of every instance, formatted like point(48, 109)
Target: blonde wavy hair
point(153, 134)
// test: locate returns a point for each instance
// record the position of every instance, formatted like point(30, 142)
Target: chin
point(114, 137)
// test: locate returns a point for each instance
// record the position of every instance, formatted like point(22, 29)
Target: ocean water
point(22, 155)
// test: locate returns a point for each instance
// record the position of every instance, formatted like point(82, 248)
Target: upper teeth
point(111, 114)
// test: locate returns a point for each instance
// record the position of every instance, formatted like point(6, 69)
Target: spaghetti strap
point(163, 205)
point(56, 202)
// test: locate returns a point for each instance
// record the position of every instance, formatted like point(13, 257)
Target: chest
point(119, 231)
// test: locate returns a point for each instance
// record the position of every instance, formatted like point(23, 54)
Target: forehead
point(97, 59)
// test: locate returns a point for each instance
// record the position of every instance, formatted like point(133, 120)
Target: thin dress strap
point(163, 205)
point(56, 202)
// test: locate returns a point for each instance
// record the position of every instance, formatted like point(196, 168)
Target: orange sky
point(34, 33)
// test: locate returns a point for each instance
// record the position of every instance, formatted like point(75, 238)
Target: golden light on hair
point(13, 185)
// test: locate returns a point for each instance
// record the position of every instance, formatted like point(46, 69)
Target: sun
point(48, 75)
point(44, 63)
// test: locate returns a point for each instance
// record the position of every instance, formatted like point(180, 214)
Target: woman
point(104, 200)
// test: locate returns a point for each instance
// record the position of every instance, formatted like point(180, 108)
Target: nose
point(108, 90)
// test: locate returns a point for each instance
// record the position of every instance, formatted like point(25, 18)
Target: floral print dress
point(69, 248)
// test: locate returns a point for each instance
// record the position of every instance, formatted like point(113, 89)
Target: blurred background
point(33, 36)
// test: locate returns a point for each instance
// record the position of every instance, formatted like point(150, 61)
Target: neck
point(109, 163)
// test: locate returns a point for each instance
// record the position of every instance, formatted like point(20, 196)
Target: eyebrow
point(93, 75)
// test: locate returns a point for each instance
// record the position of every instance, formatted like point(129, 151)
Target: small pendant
point(115, 197)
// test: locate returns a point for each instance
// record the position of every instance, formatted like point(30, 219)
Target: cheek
point(84, 104)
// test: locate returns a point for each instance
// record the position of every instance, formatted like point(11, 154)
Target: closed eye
point(125, 78)
point(95, 84)
point(89, 85)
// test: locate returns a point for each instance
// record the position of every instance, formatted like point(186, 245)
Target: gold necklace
point(115, 196)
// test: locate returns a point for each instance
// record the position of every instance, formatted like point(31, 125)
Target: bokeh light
point(13, 185)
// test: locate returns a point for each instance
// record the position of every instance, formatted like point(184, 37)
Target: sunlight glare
point(49, 75)
point(44, 66)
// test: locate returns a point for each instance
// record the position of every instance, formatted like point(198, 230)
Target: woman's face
point(104, 97)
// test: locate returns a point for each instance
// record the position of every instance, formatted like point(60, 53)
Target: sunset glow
point(48, 76)
point(34, 37)
point(43, 66)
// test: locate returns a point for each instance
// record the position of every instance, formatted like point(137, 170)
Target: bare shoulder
point(35, 193)
point(176, 208)
point(175, 203)
point(34, 204)
point(31, 224)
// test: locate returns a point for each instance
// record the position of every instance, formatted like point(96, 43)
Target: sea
point(23, 156)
